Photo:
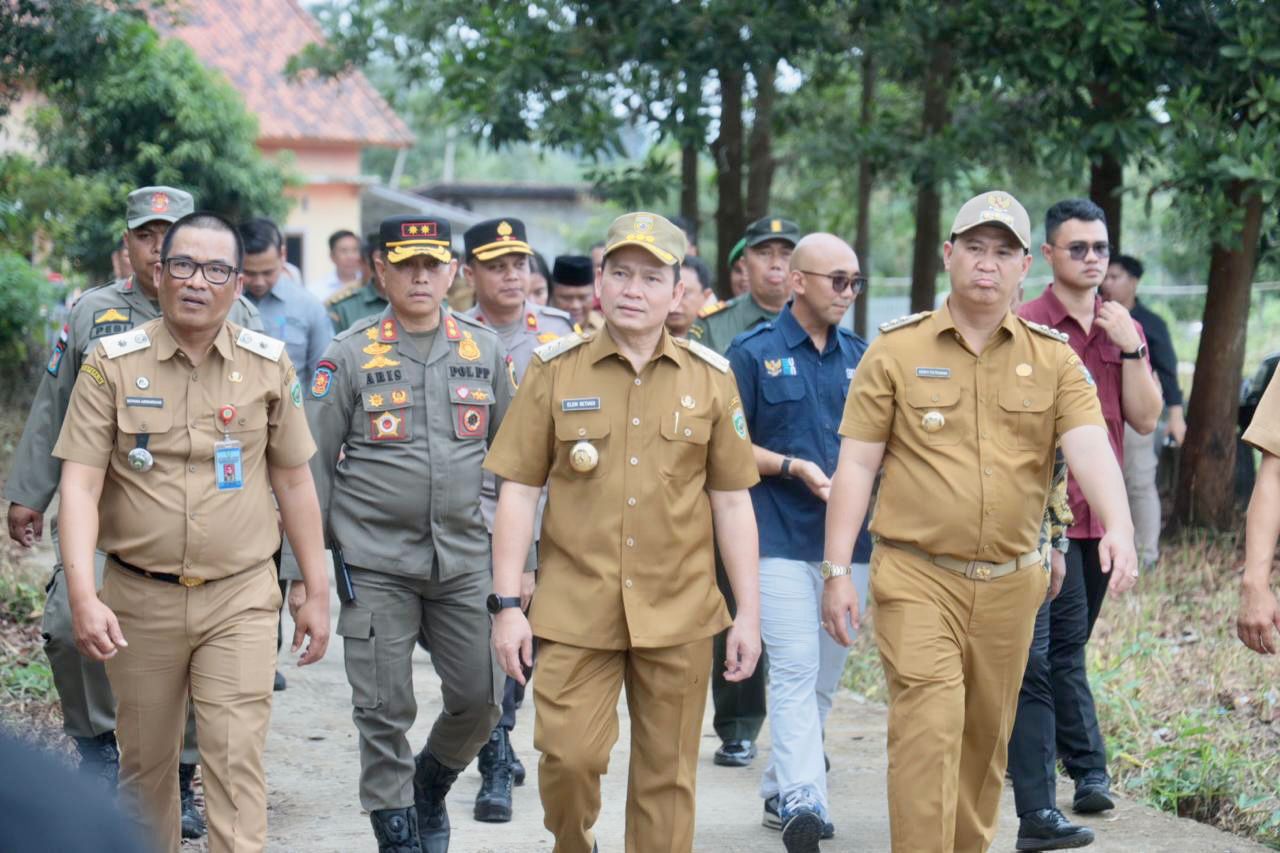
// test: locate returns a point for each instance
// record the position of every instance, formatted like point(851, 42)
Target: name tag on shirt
point(580, 404)
point(228, 469)
point(933, 372)
point(145, 402)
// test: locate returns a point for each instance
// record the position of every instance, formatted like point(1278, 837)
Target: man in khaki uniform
point(1259, 617)
point(414, 396)
point(962, 406)
point(498, 259)
point(88, 707)
point(648, 432)
point(177, 436)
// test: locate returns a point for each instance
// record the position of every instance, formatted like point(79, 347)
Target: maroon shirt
point(1102, 358)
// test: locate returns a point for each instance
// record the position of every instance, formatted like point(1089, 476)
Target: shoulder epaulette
point(753, 331)
point(126, 342)
point(358, 326)
point(903, 322)
point(707, 354)
point(551, 311)
point(560, 346)
point(711, 310)
point(346, 292)
point(472, 321)
point(260, 344)
point(1047, 331)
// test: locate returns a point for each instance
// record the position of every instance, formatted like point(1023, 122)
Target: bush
point(25, 321)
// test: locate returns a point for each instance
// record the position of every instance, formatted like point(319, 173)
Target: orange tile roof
point(249, 41)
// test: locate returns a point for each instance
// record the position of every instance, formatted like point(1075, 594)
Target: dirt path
point(313, 766)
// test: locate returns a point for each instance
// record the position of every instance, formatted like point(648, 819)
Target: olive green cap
point(658, 235)
point(772, 228)
point(995, 207)
point(150, 203)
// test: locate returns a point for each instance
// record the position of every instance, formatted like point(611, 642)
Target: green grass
point(1191, 717)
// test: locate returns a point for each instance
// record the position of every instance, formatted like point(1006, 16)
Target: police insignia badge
point(387, 426)
point(468, 350)
point(479, 396)
point(112, 321)
point(547, 337)
point(471, 421)
point(378, 362)
point(371, 333)
point(376, 348)
point(399, 397)
point(322, 381)
point(375, 400)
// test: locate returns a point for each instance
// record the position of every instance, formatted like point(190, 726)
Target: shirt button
point(582, 431)
point(1026, 402)
point(635, 422)
point(688, 432)
point(195, 377)
point(193, 516)
point(934, 398)
point(631, 543)
point(635, 461)
point(987, 471)
point(631, 501)
point(143, 427)
point(191, 468)
point(627, 583)
point(984, 436)
point(637, 380)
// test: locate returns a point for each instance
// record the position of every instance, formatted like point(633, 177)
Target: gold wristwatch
point(831, 570)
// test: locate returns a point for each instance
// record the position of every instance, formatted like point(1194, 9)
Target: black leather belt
point(183, 580)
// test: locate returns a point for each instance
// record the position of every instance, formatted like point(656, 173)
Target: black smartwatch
point(498, 603)
point(1140, 352)
point(785, 469)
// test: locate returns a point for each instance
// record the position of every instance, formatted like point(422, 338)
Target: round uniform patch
point(471, 419)
point(739, 423)
point(295, 393)
point(322, 381)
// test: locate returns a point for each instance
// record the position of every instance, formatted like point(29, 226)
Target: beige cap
point(649, 231)
point(995, 207)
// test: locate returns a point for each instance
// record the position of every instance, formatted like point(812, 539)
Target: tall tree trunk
point(926, 254)
point(727, 149)
point(862, 240)
point(689, 184)
point(760, 145)
point(1205, 492)
point(1106, 180)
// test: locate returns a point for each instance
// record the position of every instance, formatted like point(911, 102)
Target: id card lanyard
point(228, 467)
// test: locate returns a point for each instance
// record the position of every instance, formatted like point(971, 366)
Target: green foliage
point(43, 204)
point(23, 331)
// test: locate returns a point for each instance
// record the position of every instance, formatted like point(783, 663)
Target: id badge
point(228, 470)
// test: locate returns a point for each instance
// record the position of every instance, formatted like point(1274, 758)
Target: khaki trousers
point(953, 651)
point(1140, 462)
point(216, 642)
point(575, 695)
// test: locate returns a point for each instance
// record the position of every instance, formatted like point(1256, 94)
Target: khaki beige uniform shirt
point(174, 518)
point(99, 313)
point(975, 487)
point(538, 325)
point(1264, 430)
point(406, 496)
point(626, 551)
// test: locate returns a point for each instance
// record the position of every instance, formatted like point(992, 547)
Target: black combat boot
point(431, 783)
point(100, 758)
point(493, 800)
point(192, 821)
point(396, 830)
point(517, 766)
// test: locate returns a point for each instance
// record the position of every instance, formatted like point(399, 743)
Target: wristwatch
point(785, 470)
point(497, 603)
point(831, 570)
point(1140, 352)
point(1062, 545)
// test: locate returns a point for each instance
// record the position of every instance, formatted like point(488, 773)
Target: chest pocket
point(575, 427)
point(133, 422)
point(389, 412)
point(684, 445)
point(1026, 417)
point(924, 399)
point(470, 402)
point(782, 390)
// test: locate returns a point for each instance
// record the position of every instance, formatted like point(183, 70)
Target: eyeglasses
point(214, 272)
point(1080, 251)
point(839, 281)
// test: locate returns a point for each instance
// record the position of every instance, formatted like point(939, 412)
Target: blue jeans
point(805, 666)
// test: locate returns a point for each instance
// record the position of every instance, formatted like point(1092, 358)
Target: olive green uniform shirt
point(174, 518)
point(354, 303)
point(717, 329)
point(406, 494)
point(626, 550)
point(969, 439)
point(99, 313)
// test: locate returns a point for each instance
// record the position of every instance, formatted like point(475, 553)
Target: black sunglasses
point(839, 281)
point(1080, 251)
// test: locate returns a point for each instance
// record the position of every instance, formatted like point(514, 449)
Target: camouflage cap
point(995, 207)
point(772, 228)
point(649, 231)
point(148, 203)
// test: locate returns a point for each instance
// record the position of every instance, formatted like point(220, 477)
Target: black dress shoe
point(1047, 829)
point(517, 766)
point(279, 684)
point(1093, 793)
point(735, 753)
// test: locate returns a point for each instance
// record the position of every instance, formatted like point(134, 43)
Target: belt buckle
point(190, 582)
point(979, 570)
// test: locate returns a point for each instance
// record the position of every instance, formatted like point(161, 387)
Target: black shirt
point(1160, 350)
